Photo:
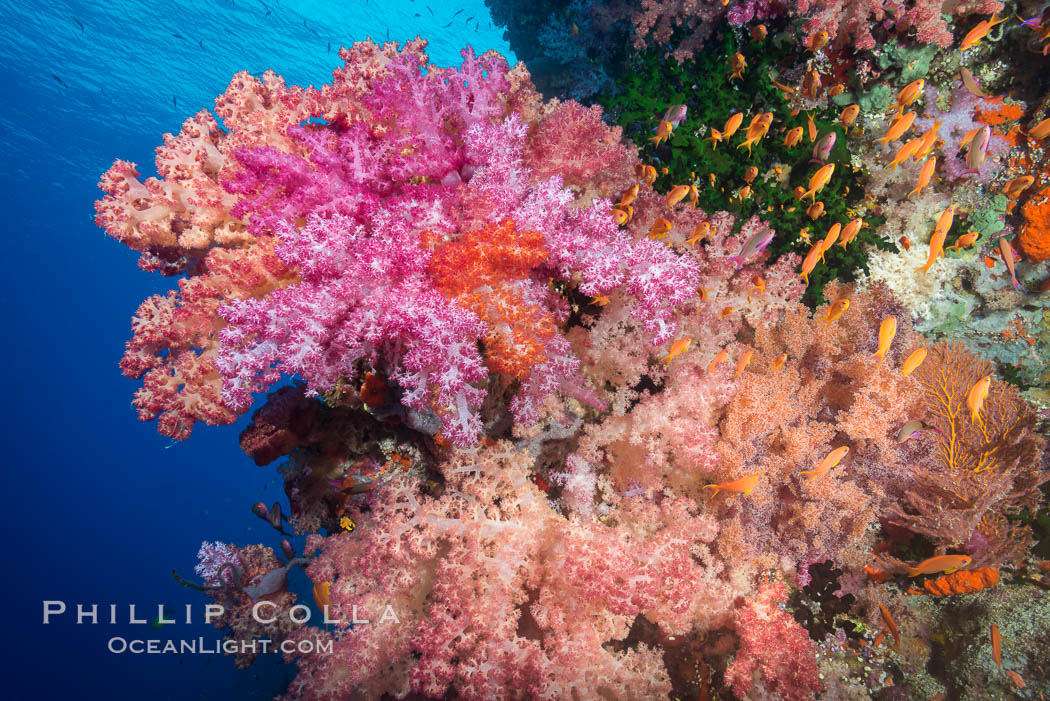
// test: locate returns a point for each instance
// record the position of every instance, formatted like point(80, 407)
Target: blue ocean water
point(101, 508)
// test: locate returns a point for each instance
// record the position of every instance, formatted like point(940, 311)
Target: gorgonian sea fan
point(403, 161)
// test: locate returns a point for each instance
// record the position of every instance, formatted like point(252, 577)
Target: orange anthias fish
point(974, 36)
point(833, 458)
point(648, 175)
point(848, 116)
point(997, 648)
point(836, 90)
point(677, 348)
point(924, 175)
point(914, 361)
point(1014, 676)
point(830, 239)
point(757, 283)
point(1041, 130)
point(900, 125)
point(750, 174)
point(322, 593)
point(793, 137)
point(811, 84)
point(814, 255)
point(663, 132)
point(737, 65)
point(732, 124)
point(976, 396)
point(887, 330)
point(694, 196)
point(714, 138)
point(660, 228)
point(811, 127)
point(700, 231)
point(1016, 186)
point(908, 95)
point(944, 224)
point(821, 178)
point(817, 41)
point(628, 197)
point(964, 241)
point(621, 216)
point(891, 625)
point(941, 563)
point(744, 485)
point(929, 140)
point(850, 231)
point(744, 193)
point(778, 362)
point(786, 89)
point(837, 309)
point(815, 210)
point(720, 358)
point(745, 360)
point(600, 300)
point(758, 32)
point(1007, 252)
point(905, 152)
point(677, 194)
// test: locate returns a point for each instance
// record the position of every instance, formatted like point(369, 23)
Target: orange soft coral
point(487, 271)
point(998, 112)
point(1035, 232)
point(963, 581)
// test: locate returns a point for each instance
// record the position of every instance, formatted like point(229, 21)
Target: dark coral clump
point(820, 608)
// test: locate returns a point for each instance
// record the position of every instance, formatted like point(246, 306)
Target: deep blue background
point(101, 508)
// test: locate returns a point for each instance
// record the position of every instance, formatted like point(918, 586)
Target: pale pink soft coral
point(497, 596)
point(682, 26)
point(175, 341)
point(849, 22)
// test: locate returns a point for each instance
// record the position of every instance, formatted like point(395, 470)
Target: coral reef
point(693, 391)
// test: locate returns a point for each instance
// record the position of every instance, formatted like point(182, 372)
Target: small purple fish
point(822, 149)
point(675, 114)
point(756, 244)
point(978, 149)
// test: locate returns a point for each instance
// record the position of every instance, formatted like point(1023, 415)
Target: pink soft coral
point(175, 340)
point(776, 658)
point(849, 22)
point(407, 148)
point(497, 596)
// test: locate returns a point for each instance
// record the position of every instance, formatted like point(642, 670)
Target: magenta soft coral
point(357, 226)
point(776, 658)
point(404, 151)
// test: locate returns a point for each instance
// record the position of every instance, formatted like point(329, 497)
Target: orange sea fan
point(978, 472)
